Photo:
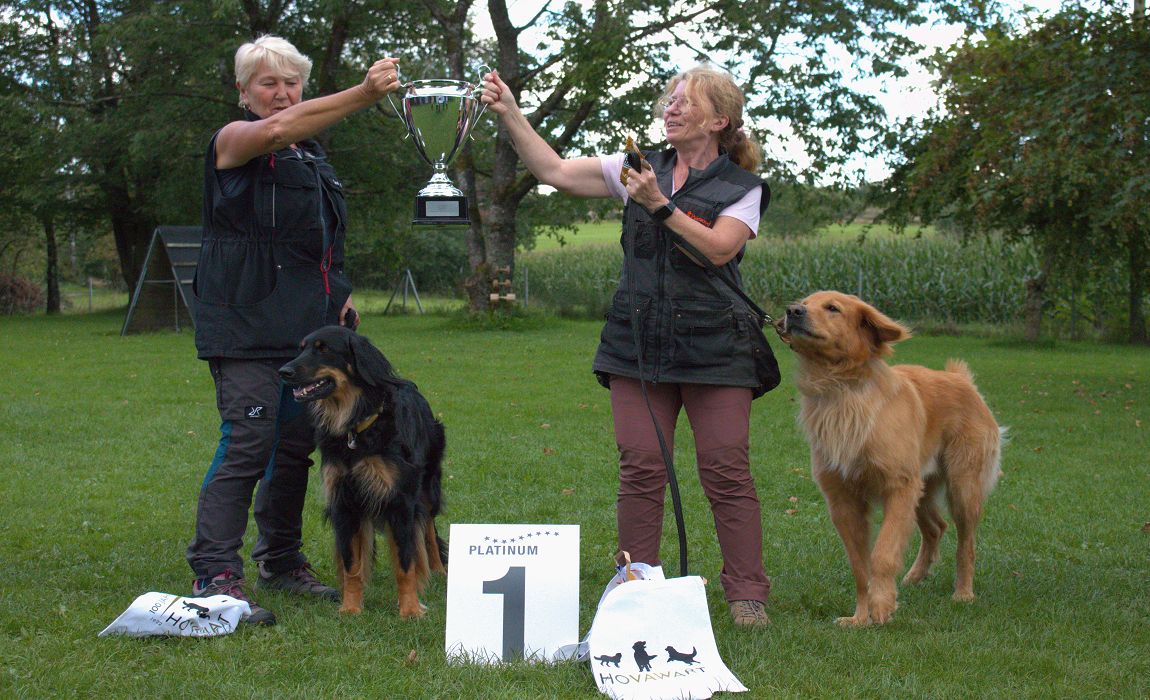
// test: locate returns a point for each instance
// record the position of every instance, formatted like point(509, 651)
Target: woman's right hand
point(496, 95)
point(382, 78)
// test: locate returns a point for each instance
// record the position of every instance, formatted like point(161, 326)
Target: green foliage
point(1042, 134)
point(937, 280)
point(105, 440)
point(801, 209)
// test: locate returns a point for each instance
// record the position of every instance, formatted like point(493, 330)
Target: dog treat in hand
point(632, 160)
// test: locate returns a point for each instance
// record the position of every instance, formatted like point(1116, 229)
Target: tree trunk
point(1137, 289)
point(1035, 298)
point(52, 272)
point(132, 235)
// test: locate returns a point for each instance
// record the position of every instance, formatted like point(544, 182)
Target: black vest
point(692, 327)
point(271, 262)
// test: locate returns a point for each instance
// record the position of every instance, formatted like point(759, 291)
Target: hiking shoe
point(301, 581)
point(229, 584)
point(749, 613)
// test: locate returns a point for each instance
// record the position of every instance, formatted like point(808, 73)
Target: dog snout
point(796, 311)
point(287, 372)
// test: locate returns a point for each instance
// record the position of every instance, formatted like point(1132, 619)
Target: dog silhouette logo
point(612, 660)
point(689, 659)
point(642, 658)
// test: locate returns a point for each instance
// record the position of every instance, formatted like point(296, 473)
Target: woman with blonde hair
point(672, 327)
point(270, 271)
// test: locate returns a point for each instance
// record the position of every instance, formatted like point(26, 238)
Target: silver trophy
point(439, 115)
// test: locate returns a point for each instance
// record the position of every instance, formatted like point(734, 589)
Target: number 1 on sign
point(513, 587)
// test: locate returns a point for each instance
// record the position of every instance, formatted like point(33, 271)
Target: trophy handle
point(484, 70)
point(405, 85)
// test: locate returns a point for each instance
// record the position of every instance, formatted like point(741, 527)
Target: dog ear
point(882, 330)
point(368, 362)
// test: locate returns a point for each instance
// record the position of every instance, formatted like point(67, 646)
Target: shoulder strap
point(764, 317)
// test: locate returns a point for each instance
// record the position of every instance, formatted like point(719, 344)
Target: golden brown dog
point(897, 436)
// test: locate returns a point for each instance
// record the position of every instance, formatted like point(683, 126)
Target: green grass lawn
point(589, 233)
point(104, 441)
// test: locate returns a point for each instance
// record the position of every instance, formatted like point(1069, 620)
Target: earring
point(244, 104)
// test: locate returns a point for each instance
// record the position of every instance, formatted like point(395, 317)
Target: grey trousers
point(265, 440)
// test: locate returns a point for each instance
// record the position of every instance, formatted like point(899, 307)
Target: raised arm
point(582, 177)
point(240, 141)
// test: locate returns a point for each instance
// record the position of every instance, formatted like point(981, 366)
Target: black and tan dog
point(382, 451)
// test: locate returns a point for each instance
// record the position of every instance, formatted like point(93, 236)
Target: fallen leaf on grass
point(548, 450)
point(545, 426)
point(1146, 528)
point(1011, 506)
point(793, 499)
point(791, 511)
point(412, 657)
point(568, 492)
point(1038, 449)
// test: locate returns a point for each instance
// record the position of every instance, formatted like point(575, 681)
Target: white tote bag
point(651, 639)
point(166, 614)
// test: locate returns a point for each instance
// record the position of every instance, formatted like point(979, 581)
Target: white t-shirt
point(745, 210)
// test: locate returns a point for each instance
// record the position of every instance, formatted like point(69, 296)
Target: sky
point(911, 96)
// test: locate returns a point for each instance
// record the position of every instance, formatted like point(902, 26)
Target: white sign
point(512, 592)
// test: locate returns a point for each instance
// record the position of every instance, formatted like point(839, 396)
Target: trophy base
point(441, 210)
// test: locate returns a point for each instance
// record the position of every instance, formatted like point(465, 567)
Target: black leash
point(668, 457)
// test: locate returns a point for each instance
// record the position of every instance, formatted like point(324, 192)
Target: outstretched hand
point(382, 78)
point(496, 95)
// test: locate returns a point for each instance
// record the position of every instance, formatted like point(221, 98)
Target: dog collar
point(359, 428)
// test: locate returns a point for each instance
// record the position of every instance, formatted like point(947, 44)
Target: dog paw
point(350, 609)
point(915, 576)
point(412, 611)
point(855, 621)
point(882, 609)
point(964, 596)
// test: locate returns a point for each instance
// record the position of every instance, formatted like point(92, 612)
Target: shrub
point(19, 295)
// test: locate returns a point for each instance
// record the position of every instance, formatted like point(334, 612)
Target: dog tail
point(959, 367)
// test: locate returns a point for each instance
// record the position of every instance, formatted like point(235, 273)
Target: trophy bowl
point(439, 115)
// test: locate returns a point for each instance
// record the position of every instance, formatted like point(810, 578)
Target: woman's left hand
point(348, 316)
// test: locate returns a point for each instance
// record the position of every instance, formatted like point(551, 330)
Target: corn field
point(940, 280)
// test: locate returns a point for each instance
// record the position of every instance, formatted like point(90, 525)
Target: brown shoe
point(749, 613)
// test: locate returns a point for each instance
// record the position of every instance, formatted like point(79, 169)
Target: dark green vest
point(692, 327)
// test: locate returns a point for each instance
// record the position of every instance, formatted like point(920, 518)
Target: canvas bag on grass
point(166, 614)
point(651, 639)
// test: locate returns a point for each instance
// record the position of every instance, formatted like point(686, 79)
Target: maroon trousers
point(720, 420)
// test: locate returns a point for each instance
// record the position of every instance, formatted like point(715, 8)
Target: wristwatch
point(664, 212)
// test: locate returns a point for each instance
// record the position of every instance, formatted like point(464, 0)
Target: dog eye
point(832, 308)
point(320, 345)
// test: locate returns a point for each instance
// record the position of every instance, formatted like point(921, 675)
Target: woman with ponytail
point(676, 335)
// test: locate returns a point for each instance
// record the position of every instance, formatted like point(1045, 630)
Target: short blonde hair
point(715, 94)
point(277, 54)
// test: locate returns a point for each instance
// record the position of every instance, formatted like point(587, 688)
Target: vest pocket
point(704, 332)
point(618, 337)
point(289, 196)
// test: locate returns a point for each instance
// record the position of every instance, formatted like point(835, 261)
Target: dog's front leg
point(887, 557)
point(849, 515)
